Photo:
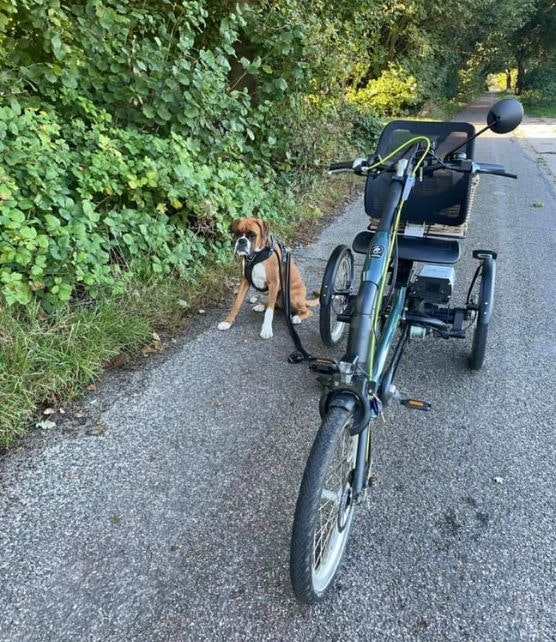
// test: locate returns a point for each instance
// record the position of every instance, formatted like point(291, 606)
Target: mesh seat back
point(442, 198)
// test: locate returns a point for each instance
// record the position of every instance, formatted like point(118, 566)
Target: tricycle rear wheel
point(478, 348)
point(486, 273)
point(334, 294)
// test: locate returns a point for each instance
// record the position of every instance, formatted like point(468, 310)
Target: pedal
point(416, 404)
point(324, 366)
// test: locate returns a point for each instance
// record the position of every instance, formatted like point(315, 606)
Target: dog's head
point(251, 235)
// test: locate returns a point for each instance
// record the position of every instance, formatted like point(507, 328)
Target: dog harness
point(284, 263)
point(250, 262)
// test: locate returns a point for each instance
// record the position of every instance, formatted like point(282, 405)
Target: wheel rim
point(335, 511)
point(342, 280)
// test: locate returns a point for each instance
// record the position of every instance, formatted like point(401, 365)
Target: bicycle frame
point(364, 324)
point(362, 366)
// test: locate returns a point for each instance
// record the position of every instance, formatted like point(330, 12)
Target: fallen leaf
point(98, 429)
point(149, 350)
point(49, 411)
point(46, 424)
point(91, 387)
point(201, 311)
point(79, 415)
point(156, 337)
point(183, 303)
point(62, 411)
point(120, 361)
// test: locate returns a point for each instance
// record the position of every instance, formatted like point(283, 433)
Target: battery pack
point(434, 283)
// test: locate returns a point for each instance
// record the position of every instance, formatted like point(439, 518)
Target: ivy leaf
point(69, 79)
point(56, 43)
point(163, 113)
point(148, 111)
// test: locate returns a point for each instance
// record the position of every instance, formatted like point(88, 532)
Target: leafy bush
point(77, 203)
point(393, 93)
point(540, 82)
point(365, 132)
point(122, 141)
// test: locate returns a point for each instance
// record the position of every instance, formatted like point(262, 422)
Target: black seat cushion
point(413, 248)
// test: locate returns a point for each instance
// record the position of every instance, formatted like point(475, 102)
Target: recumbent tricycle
point(418, 194)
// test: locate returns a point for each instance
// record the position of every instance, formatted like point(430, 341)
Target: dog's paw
point(259, 307)
point(254, 299)
point(266, 332)
point(296, 319)
point(224, 325)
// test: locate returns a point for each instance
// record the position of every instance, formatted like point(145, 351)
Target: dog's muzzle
point(242, 247)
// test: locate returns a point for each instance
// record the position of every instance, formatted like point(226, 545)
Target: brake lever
point(360, 166)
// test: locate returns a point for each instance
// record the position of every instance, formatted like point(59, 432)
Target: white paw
point(254, 299)
point(266, 332)
point(224, 325)
point(259, 307)
point(296, 320)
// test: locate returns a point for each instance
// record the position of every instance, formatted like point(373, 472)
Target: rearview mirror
point(505, 115)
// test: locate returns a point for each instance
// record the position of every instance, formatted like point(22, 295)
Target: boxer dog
point(261, 266)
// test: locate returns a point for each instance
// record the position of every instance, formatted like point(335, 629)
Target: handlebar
point(467, 166)
point(361, 166)
point(343, 166)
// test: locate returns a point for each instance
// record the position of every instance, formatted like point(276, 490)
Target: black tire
point(478, 348)
point(313, 565)
point(485, 304)
point(334, 294)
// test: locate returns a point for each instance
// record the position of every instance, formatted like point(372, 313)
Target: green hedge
point(132, 133)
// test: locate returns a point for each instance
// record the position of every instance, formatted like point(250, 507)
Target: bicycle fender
point(486, 294)
point(352, 403)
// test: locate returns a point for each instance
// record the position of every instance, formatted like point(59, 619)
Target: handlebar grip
point(497, 172)
point(495, 169)
point(341, 167)
point(490, 167)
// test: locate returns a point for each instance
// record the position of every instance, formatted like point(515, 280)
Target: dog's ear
point(234, 226)
point(265, 228)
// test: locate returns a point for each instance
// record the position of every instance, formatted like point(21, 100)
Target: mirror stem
point(468, 141)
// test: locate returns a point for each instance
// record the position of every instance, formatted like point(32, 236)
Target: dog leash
point(284, 265)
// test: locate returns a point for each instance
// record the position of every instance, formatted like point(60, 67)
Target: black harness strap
point(284, 265)
point(249, 264)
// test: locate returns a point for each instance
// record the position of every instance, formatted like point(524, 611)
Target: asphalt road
point(172, 520)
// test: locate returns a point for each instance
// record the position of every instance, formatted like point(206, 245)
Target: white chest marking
point(258, 276)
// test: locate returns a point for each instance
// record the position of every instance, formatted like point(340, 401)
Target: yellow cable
point(395, 231)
